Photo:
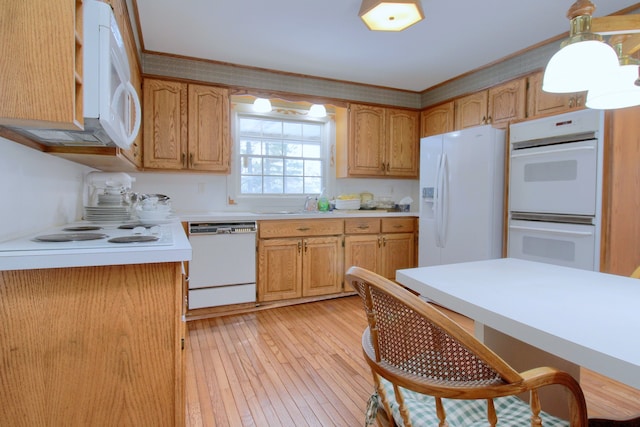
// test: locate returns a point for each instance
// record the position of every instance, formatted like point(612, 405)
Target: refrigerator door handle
point(444, 208)
point(438, 201)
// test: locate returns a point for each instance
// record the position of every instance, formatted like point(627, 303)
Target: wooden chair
point(429, 371)
point(636, 273)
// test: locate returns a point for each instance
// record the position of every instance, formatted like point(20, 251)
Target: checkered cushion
point(511, 411)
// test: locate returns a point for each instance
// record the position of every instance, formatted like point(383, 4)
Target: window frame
point(235, 195)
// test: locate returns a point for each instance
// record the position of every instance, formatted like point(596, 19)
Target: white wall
point(37, 190)
point(204, 192)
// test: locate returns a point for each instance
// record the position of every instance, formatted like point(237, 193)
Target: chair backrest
point(413, 345)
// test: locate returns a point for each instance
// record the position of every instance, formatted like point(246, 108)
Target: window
point(280, 156)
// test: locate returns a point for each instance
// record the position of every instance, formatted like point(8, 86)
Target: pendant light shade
point(617, 91)
point(262, 105)
point(578, 66)
point(390, 15)
point(318, 110)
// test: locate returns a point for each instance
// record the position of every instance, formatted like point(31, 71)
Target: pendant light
point(317, 110)
point(390, 15)
point(583, 59)
point(262, 105)
point(618, 90)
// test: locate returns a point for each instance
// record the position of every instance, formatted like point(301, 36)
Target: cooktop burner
point(133, 239)
point(82, 228)
point(70, 237)
point(135, 225)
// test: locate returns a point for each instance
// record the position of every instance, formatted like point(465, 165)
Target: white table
point(588, 318)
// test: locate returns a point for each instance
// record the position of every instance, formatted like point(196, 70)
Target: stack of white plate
point(107, 213)
point(348, 204)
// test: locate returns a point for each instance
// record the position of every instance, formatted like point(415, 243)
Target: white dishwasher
point(222, 270)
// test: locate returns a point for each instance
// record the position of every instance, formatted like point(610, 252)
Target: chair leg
point(492, 417)
point(404, 411)
point(536, 421)
point(385, 401)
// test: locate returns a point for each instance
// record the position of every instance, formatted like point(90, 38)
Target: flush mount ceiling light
point(317, 110)
point(585, 61)
point(390, 15)
point(262, 105)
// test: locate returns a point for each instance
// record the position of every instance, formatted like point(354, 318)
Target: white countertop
point(586, 317)
point(272, 215)
point(178, 251)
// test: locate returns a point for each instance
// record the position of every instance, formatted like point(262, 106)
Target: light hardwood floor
point(302, 366)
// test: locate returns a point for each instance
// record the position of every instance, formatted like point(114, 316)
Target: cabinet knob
point(184, 159)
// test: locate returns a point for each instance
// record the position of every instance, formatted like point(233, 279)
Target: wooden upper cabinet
point(366, 140)
point(383, 142)
point(165, 124)
point(402, 143)
point(41, 50)
point(541, 103)
point(209, 136)
point(507, 102)
point(186, 126)
point(471, 110)
point(437, 120)
point(497, 105)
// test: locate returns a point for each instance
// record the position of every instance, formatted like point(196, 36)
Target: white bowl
point(348, 204)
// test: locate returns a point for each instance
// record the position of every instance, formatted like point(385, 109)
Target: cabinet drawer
point(398, 225)
point(300, 228)
point(362, 226)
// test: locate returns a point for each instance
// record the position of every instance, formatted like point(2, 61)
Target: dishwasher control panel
point(227, 227)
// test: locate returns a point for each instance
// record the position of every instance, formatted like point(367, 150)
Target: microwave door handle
point(553, 231)
point(130, 137)
point(558, 150)
point(127, 88)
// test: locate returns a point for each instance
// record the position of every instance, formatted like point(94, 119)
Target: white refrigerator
point(462, 196)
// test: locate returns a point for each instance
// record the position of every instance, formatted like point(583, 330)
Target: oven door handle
point(552, 231)
point(554, 151)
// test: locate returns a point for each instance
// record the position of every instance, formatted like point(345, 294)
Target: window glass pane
point(251, 184)
point(273, 148)
point(312, 168)
point(293, 149)
point(292, 130)
point(294, 167)
point(294, 185)
point(312, 185)
point(251, 166)
point(273, 166)
point(273, 185)
point(250, 147)
point(311, 151)
point(250, 127)
point(312, 131)
point(272, 129)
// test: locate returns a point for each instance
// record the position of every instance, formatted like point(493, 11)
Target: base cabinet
point(292, 266)
point(380, 245)
point(92, 346)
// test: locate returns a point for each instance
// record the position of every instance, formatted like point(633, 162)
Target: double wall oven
point(555, 189)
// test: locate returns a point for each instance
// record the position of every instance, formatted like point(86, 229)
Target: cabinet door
point(540, 102)
point(279, 269)
point(165, 124)
point(363, 251)
point(322, 266)
point(366, 144)
point(398, 251)
point(402, 142)
point(42, 50)
point(437, 120)
point(471, 110)
point(507, 102)
point(209, 138)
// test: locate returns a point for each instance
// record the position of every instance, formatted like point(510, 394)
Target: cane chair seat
point(429, 371)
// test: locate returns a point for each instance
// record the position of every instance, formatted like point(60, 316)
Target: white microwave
point(111, 103)
point(111, 106)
